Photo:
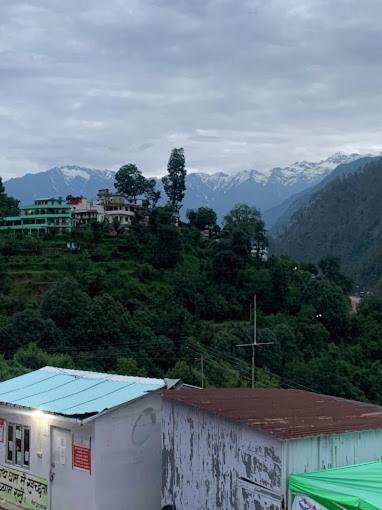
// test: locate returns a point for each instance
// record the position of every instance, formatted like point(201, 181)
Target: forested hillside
point(155, 300)
point(279, 217)
point(345, 220)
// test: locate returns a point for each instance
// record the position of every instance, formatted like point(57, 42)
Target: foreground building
point(80, 440)
point(47, 215)
point(234, 449)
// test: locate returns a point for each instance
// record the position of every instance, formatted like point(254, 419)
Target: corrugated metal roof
point(285, 414)
point(74, 392)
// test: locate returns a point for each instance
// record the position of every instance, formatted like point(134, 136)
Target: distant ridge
point(220, 191)
point(343, 219)
point(279, 217)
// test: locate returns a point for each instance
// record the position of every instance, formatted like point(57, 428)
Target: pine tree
point(175, 182)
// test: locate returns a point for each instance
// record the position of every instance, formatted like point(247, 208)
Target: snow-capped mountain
point(305, 171)
point(263, 189)
point(60, 181)
point(220, 190)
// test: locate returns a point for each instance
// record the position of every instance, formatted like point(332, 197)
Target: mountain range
point(220, 191)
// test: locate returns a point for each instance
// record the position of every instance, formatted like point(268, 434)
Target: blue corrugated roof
point(73, 392)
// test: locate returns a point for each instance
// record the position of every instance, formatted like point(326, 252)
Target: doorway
point(61, 492)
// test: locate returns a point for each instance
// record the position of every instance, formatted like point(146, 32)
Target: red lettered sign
point(81, 451)
point(81, 457)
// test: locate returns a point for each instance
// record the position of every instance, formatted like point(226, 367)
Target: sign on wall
point(23, 488)
point(302, 502)
point(2, 428)
point(81, 452)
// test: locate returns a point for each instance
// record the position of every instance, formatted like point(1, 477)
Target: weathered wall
point(128, 456)
point(211, 463)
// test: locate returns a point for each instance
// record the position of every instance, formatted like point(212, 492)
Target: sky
point(238, 83)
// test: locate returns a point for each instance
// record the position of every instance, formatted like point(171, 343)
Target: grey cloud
point(238, 83)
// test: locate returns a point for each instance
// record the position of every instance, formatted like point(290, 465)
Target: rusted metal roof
point(286, 414)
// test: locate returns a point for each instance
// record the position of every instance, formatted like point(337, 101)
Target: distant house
point(118, 208)
point(72, 440)
point(232, 449)
point(109, 207)
point(85, 212)
point(45, 215)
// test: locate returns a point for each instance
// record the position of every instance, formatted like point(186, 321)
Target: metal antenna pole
point(202, 366)
point(255, 342)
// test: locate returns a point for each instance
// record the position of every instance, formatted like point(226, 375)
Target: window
point(18, 445)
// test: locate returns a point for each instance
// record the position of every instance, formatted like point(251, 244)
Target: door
point(61, 492)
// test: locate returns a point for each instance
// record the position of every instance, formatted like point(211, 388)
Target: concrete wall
point(211, 463)
point(127, 462)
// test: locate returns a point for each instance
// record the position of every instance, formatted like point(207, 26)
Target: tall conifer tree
point(175, 182)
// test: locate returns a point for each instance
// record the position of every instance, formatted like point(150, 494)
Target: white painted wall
point(127, 462)
point(82, 482)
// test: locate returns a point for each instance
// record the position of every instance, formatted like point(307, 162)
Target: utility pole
point(255, 343)
point(201, 366)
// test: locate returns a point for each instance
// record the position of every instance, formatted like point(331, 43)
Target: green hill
point(159, 299)
point(345, 220)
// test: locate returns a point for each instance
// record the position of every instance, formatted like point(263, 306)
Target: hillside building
point(47, 215)
point(109, 207)
point(81, 440)
point(61, 215)
point(118, 208)
point(231, 449)
point(85, 212)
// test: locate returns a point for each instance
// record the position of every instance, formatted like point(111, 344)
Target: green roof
point(353, 487)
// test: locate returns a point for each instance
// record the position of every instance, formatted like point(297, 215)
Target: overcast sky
point(238, 83)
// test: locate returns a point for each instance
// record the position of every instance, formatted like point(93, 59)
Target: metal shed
point(234, 449)
point(80, 440)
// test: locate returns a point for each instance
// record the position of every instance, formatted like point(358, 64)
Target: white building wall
point(212, 463)
point(127, 460)
point(81, 482)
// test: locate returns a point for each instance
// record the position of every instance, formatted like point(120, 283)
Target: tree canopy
point(130, 181)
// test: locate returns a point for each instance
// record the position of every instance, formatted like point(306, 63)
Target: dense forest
point(163, 297)
point(344, 220)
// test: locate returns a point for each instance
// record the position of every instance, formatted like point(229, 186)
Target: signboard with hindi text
point(81, 455)
point(23, 489)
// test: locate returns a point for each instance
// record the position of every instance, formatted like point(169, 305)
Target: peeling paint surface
point(212, 463)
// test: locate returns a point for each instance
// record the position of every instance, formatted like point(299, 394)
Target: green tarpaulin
point(351, 487)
